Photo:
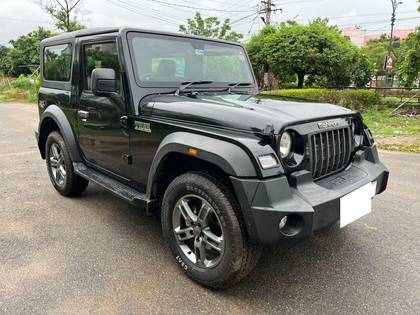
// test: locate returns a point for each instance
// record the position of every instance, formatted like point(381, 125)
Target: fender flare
point(232, 159)
point(57, 115)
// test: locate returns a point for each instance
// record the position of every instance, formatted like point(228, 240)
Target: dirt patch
point(401, 140)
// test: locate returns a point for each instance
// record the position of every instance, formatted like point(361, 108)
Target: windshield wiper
point(232, 86)
point(185, 85)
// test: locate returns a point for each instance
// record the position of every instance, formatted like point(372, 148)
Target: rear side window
point(57, 63)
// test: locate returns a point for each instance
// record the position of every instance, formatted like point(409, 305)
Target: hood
point(252, 114)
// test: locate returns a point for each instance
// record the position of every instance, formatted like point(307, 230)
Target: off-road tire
point(240, 254)
point(73, 184)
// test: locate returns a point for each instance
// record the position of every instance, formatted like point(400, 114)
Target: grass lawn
point(396, 133)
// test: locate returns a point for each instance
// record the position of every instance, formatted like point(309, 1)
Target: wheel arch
point(54, 119)
point(216, 156)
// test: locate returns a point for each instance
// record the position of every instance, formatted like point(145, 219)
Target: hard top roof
point(109, 30)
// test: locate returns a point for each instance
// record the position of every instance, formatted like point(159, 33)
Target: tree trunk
point(301, 80)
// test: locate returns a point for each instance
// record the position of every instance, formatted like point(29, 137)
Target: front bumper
point(309, 205)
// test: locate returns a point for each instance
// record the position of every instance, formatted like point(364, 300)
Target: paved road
point(99, 255)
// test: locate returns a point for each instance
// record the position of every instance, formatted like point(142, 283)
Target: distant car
point(173, 123)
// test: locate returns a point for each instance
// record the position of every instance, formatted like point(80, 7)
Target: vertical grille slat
point(315, 154)
point(330, 151)
point(329, 166)
point(334, 150)
point(322, 154)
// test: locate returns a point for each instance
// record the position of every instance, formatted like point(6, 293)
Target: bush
point(288, 85)
point(23, 83)
point(360, 100)
point(23, 88)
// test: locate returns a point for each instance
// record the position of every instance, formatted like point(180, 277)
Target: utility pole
point(268, 7)
point(389, 61)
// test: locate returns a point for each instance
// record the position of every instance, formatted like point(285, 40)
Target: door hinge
point(128, 158)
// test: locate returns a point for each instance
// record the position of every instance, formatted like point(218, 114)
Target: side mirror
point(103, 82)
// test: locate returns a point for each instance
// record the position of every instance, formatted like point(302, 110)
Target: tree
point(256, 52)
point(64, 13)
point(376, 51)
point(24, 52)
point(408, 66)
point(3, 54)
point(363, 71)
point(315, 49)
point(210, 27)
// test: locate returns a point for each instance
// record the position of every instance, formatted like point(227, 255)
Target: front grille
point(330, 151)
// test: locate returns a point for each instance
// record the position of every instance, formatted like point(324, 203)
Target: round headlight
point(285, 144)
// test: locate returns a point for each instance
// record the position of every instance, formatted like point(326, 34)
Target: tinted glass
point(160, 58)
point(103, 55)
point(57, 63)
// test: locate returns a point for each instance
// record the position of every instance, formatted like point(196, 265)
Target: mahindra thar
point(173, 124)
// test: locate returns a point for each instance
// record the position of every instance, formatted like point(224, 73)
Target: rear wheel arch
point(47, 126)
point(54, 119)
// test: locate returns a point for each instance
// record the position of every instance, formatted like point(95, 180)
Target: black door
point(102, 138)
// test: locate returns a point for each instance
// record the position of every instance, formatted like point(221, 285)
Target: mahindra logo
point(327, 124)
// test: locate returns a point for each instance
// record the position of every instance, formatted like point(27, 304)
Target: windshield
point(161, 60)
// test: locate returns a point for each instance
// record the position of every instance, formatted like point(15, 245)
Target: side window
point(103, 55)
point(57, 63)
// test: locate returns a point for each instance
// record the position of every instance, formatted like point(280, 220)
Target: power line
point(25, 20)
point(353, 16)
point(268, 8)
point(195, 8)
point(380, 21)
point(244, 17)
point(132, 8)
point(142, 7)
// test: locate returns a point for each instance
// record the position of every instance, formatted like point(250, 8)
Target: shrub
point(360, 100)
point(23, 83)
point(288, 85)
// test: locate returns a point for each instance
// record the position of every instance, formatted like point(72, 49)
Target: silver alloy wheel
point(58, 168)
point(198, 231)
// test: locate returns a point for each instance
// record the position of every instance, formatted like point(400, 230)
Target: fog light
point(282, 222)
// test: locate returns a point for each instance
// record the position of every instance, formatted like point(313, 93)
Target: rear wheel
point(60, 167)
point(202, 224)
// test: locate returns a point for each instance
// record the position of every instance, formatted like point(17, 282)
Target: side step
point(119, 189)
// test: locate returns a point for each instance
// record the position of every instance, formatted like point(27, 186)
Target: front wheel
point(60, 167)
point(202, 224)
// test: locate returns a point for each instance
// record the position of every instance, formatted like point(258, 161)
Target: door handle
point(124, 121)
point(83, 114)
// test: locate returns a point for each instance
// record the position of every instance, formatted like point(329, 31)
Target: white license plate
point(356, 204)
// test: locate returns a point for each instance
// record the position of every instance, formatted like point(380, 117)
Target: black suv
point(173, 124)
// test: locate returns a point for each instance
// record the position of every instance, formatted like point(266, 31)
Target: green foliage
point(64, 13)
point(394, 132)
point(256, 50)
point(363, 71)
point(23, 83)
point(408, 67)
point(360, 100)
point(24, 88)
point(376, 51)
point(210, 27)
point(316, 49)
point(3, 54)
point(24, 54)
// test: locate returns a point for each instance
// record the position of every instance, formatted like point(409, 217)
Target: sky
point(18, 17)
